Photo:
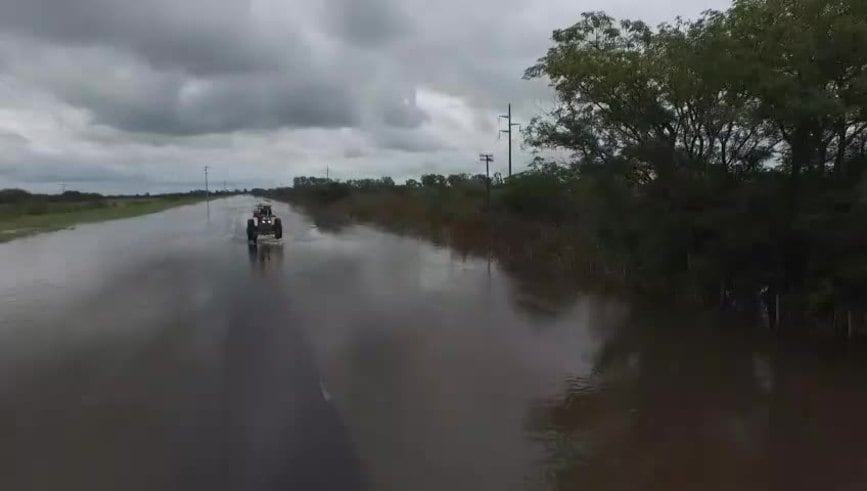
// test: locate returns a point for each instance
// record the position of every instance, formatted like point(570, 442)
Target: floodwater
point(160, 353)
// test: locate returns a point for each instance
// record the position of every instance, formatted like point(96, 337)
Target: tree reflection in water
point(677, 407)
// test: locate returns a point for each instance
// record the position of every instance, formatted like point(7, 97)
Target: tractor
point(263, 223)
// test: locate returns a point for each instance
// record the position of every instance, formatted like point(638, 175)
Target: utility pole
point(207, 194)
point(487, 158)
point(508, 118)
point(327, 173)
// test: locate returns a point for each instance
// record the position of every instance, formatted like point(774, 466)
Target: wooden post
point(777, 312)
point(850, 323)
point(487, 158)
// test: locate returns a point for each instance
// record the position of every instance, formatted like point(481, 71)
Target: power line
point(508, 118)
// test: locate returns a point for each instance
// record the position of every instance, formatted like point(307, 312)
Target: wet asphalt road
point(161, 353)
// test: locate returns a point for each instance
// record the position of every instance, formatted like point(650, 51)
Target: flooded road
point(161, 353)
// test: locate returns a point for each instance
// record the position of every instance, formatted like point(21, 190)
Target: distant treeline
point(18, 202)
point(329, 189)
point(721, 160)
point(15, 196)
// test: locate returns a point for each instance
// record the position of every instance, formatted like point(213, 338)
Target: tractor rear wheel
point(278, 229)
point(252, 233)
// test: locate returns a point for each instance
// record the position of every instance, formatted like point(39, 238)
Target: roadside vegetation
point(23, 213)
point(718, 161)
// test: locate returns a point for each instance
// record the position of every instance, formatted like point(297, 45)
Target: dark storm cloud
point(408, 141)
point(224, 105)
point(369, 23)
point(154, 85)
point(169, 67)
point(197, 66)
point(125, 93)
point(353, 152)
point(273, 102)
point(199, 36)
point(39, 169)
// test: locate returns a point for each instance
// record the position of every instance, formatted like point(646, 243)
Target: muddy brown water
point(159, 352)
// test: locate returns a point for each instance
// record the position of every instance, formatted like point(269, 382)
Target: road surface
point(160, 353)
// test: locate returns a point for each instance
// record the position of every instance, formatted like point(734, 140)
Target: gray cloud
point(11, 139)
point(408, 141)
point(38, 169)
point(124, 93)
point(188, 68)
point(198, 36)
point(354, 152)
point(369, 23)
point(403, 113)
point(270, 87)
point(225, 105)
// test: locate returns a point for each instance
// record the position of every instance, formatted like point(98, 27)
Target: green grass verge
point(20, 222)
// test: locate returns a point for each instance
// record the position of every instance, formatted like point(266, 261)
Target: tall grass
point(30, 214)
point(560, 257)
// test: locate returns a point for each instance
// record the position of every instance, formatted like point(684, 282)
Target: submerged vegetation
point(23, 213)
point(719, 160)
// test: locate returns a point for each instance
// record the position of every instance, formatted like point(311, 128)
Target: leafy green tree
point(624, 89)
point(457, 180)
point(433, 180)
point(804, 62)
point(14, 196)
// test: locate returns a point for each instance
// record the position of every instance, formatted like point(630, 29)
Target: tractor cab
point(263, 211)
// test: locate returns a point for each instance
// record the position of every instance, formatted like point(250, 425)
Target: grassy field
point(30, 218)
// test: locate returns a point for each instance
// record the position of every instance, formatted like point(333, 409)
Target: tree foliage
point(725, 151)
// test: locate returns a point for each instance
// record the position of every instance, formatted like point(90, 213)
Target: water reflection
point(266, 257)
point(672, 402)
point(428, 358)
point(679, 407)
point(329, 221)
point(182, 364)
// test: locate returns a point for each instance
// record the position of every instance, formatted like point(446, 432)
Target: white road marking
point(324, 391)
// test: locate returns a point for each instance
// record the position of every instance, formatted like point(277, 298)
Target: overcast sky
point(138, 95)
